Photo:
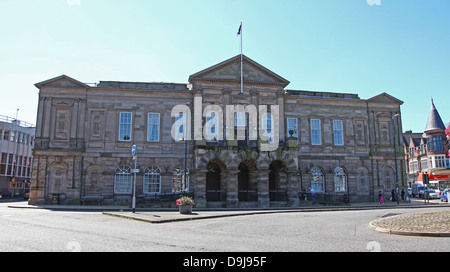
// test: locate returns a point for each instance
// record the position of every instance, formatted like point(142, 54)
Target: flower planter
point(185, 204)
point(185, 209)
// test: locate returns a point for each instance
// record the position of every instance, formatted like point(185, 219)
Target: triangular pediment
point(230, 70)
point(62, 81)
point(385, 98)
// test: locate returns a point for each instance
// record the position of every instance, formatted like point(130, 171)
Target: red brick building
point(427, 153)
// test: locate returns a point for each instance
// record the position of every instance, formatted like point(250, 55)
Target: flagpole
point(242, 65)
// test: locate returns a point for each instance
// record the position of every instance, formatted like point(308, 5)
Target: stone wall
point(78, 150)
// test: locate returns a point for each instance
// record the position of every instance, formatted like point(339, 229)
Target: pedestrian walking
point(313, 197)
point(380, 197)
point(403, 196)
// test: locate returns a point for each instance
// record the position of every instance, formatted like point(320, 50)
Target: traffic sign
point(132, 171)
point(133, 150)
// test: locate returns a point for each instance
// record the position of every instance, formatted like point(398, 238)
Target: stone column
point(292, 189)
point(38, 181)
point(81, 127)
point(232, 188)
point(263, 188)
point(200, 188)
point(46, 118)
point(253, 186)
point(74, 114)
point(280, 102)
point(223, 185)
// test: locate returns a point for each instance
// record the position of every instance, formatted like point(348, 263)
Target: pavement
point(435, 224)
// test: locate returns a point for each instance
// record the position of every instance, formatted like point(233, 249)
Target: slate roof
point(410, 138)
point(434, 119)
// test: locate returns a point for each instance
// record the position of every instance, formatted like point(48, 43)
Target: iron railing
point(323, 198)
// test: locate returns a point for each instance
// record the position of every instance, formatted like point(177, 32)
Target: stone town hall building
point(335, 143)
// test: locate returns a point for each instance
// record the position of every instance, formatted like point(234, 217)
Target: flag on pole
point(242, 62)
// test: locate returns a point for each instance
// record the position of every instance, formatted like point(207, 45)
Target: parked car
point(432, 194)
point(444, 195)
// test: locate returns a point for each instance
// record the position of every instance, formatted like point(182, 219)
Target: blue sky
point(401, 47)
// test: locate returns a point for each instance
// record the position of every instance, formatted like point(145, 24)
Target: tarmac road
point(325, 231)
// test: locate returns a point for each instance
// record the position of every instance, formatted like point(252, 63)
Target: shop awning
point(434, 177)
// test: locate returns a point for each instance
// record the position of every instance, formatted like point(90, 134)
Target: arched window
point(180, 184)
point(122, 180)
point(57, 179)
point(340, 180)
point(180, 123)
point(388, 180)
point(212, 127)
point(241, 128)
point(267, 126)
point(363, 179)
point(317, 179)
point(152, 180)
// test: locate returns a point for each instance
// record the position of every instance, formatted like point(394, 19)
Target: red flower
point(184, 200)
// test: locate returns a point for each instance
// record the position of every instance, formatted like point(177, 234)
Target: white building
point(16, 157)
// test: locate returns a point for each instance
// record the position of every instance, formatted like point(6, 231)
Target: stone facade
point(334, 142)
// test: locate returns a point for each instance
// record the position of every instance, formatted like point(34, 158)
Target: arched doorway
point(276, 190)
point(213, 191)
point(247, 183)
point(243, 182)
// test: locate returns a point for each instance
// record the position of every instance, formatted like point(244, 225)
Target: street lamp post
point(395, 158)
point(134, 154)
point(186, 185)
point(185, 165)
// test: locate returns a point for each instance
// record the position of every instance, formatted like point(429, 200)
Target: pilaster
point(232, 188)
point(263, 188)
